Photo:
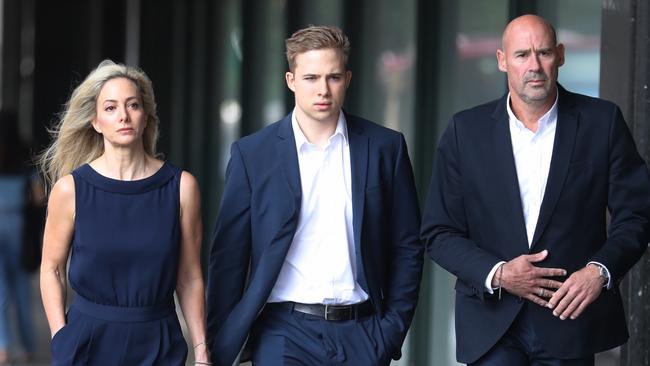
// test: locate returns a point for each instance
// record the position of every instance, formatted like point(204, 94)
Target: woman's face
point(120, 117)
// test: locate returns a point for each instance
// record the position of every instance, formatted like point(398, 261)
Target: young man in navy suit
point(316, 257)
point(517, 212)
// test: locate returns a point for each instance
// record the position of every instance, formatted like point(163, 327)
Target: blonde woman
point(132, 225)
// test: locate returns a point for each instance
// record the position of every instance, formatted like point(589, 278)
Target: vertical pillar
point(264, 64)
point(10, 63)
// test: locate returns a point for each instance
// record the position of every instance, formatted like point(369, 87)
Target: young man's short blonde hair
point(316, 38)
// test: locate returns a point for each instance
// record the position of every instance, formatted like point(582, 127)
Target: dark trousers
point(282, 336)
point(520, 347)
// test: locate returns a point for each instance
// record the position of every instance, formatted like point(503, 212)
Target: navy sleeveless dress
point(123, 268)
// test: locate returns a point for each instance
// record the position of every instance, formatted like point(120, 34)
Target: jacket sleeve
point(445, 230)
point(230, 251)
point(628, 202)
point(401, 294)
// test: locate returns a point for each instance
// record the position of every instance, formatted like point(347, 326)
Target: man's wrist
point(491, 280)
point(496, 279)
point(603, 274)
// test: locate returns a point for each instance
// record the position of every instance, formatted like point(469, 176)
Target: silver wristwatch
point(602, 272)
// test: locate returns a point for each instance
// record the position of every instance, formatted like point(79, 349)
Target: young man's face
point(319, 81)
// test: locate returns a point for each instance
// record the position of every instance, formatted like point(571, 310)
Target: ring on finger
point(541, 292)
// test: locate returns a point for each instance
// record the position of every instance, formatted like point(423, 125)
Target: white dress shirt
point(320, 267)
point(532, 152)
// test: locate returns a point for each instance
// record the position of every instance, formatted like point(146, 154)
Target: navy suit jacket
point(473, 219)
point(259, 216)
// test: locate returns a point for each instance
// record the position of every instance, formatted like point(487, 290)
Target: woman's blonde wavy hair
point(74, 140)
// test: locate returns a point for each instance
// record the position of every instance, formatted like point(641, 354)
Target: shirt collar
point(549, 118)
point(301, 139)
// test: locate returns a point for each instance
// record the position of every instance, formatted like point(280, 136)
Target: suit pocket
point(465, 289)
point(375, 198)
point(581, 174)
point(375, 189)
point(578, 166)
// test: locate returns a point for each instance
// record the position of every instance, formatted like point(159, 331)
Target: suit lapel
point(286, 147)
point(505, 170)
point(565, 135)
point(359, 171)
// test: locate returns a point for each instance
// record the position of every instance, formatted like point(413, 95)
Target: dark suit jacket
point(258, 219)
point(473, 219)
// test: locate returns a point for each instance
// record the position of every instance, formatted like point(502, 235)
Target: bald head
point(531, 56)
point(525, 23)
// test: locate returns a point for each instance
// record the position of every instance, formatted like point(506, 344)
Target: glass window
point(467, 76)
point(577, 24)
point(383, 72)
point(383, 84)
point(318, 12)
point(468, 71)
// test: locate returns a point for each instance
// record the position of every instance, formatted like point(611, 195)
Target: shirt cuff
point(488, 280)
point(608, 285)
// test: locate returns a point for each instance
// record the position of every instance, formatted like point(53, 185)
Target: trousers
point(282, 336)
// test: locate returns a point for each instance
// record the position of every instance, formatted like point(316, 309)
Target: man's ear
point(290, 78)
point(501, 61)
point(560, 54)
point(348, 77)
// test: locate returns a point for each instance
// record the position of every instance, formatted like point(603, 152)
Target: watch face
point(601, 271)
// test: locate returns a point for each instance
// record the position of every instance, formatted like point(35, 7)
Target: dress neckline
point(160, 177)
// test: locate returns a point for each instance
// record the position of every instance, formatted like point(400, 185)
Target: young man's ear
point(290, 78)
point(348, 77)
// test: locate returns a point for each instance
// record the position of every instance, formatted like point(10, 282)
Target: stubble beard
point(536, 96)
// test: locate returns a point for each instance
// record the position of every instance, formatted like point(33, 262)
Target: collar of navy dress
point(159, 178)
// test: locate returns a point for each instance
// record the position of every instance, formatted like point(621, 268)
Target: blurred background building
point(218, 72)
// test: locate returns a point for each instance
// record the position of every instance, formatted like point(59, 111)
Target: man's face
point(531, 59)
point(319, 81)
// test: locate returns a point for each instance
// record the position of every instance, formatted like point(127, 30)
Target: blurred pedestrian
point(15, 194)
